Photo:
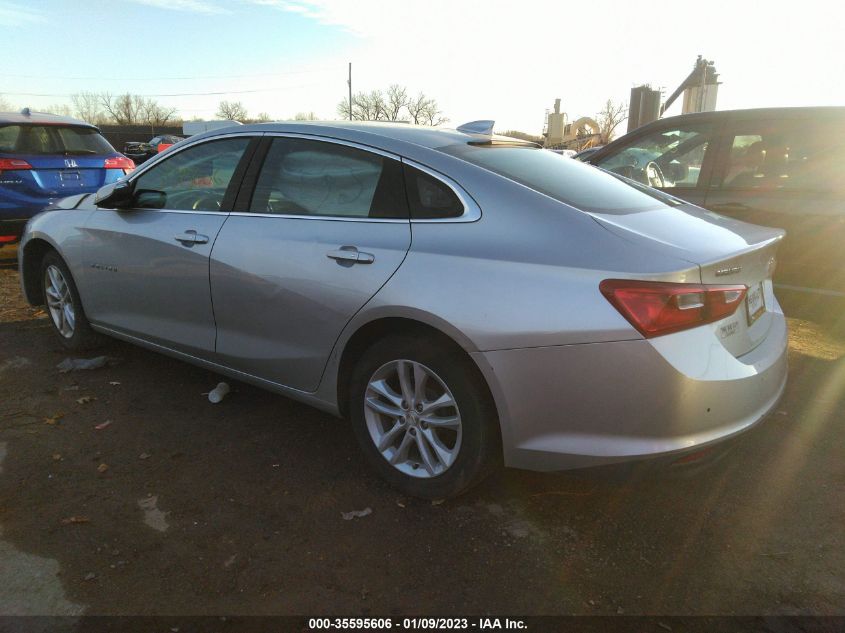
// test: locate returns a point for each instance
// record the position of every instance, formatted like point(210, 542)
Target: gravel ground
point(123, 491)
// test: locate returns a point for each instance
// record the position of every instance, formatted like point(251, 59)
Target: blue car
point(44, 158)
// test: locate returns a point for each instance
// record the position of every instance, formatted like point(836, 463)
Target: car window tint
point(430, 198)
point(678, 154)
point(570, 181)
point(194, 179)
point(785, 155)
point(307, 177)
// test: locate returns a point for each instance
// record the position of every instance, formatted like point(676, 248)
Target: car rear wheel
point(423, 417)
point(61, 300)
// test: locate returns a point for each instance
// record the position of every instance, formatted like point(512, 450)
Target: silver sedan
point(464, 299)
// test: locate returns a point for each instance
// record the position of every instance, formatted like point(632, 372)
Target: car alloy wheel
point(413, 418)
point(59, 301)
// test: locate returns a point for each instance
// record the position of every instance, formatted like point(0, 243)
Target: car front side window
point(669, 158)
point(194, 179)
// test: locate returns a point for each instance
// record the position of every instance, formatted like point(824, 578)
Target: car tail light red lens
point(10, 164)
point(6, 239)
point(120, 162)
point(656, 308)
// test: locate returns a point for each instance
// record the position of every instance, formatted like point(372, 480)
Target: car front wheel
point(61, 299)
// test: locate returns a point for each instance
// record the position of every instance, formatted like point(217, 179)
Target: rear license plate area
point(755, 303)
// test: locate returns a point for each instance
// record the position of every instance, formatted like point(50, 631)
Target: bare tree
point(126, 109)
point(609, 119)
point(262, 117)
point(157, 115)
point(232, 111)
point(395, 102)
point(307, 116)
point(5, 106)
point(394, 105)
point(86, 106)
point(61, 109)
point(417, 106)
point(425, 111)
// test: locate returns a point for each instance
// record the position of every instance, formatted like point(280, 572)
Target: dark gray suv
point(777, 167)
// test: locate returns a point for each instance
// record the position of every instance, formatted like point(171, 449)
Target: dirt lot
point(182, 507)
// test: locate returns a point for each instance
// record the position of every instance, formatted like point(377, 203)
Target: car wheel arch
point(33, 254)
point(376, 329)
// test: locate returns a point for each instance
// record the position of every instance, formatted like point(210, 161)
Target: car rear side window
point(317, 178)
point(570, 181)
point(430, 198)
point(789, 155)
point(52, 139)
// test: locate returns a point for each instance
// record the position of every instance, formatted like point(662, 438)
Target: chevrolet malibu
point(464, 299)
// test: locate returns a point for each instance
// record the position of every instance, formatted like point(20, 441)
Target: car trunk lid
point(727, 252)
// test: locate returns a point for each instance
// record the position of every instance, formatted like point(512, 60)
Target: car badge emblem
point(728, 271)
point(69, 162)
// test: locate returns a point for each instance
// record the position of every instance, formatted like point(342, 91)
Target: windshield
point(572, 182)
point(52, 139)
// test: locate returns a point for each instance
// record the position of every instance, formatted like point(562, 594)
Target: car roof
point(385, 135)
point(41, 118)
point(752, 114)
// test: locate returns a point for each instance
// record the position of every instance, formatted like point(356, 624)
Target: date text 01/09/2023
point(414, 624)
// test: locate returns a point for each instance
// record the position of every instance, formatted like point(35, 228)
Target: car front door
point(787, 173)
point(673, 158)
point(146, 267)
point(326, 227)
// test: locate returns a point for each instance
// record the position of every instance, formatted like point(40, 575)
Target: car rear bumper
point(575, 406)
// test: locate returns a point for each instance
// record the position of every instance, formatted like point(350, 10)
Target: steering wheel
point(199, 203)
point(654, 175)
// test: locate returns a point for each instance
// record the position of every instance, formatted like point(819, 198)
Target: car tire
point(461, 455)
point(63, 306)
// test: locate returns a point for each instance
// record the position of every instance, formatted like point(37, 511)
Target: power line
point(175, 94)
point(239, 76)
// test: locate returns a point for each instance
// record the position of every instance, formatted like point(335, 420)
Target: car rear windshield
point(52, 139)
point(570, 181)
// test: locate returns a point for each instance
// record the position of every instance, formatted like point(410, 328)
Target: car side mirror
point(117, 195)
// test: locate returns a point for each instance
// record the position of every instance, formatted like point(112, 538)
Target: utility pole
point(349, 81)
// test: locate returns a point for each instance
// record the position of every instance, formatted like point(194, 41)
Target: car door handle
point(351, 255)
point(189, 238)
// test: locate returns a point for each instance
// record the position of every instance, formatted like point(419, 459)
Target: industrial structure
point(700, 90)
point(559, 133)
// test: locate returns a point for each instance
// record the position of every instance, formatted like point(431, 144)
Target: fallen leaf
point(437, 502)
point(114, 382)
point(90, 576)
point(144, 456)
point(102, 468)
point(54, 419)
point(103, 425)
point(75, 519)
point(57, 457)
point(85, 399)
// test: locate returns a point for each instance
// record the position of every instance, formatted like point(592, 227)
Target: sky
point(506, 61)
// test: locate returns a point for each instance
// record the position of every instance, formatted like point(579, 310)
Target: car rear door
point(786, 173)
point(317, 230)
point(146, 267)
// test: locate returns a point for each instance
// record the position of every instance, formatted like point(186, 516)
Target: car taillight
point(7, 239)
point(656, 308)
point(11, 164)
point(120, 162)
